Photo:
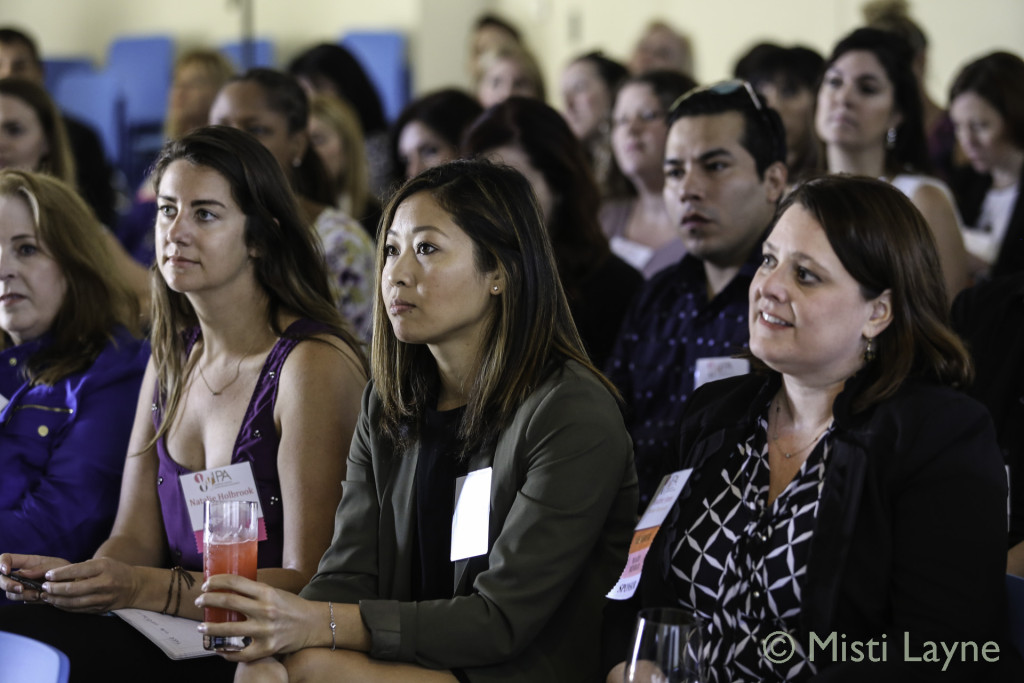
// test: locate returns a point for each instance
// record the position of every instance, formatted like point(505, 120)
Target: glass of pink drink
point(230, 530)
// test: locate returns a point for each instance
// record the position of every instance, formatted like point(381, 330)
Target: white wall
point(556, 29)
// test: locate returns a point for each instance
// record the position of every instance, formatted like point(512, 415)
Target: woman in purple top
point(239, 287)
point(70, 367)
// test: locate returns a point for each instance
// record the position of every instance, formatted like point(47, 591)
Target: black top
point(92, 171)
point(600, 303)
point(436, 471)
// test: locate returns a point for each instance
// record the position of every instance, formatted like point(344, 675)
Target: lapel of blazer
point(396, 530)
point(479, 460)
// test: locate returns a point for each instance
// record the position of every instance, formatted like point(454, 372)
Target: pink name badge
point(234, 482)
point(646, 529)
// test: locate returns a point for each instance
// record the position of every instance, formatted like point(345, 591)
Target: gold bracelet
point(334, 644)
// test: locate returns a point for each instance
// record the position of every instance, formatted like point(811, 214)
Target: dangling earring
point(869, 350)
point(890, 138)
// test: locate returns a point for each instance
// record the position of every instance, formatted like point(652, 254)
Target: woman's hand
point(94, 586)
point(277, 621)
point(29, 566)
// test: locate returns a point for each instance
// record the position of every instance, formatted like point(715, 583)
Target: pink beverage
point(230, 532)
point(228, 558)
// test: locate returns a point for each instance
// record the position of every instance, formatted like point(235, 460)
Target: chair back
point(258, 52)
point(26, 660)
point(95, 98)
point(383, 56)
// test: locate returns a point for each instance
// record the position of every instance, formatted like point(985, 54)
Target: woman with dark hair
point(788, 79)
point(639, 228)
point(333, 69)
point(869, 117)
point(987, 106)
point(846, 487)
point(429, 130)
point(252, 367)
point(589, 84)
point(272, 106)
point(70, 366)
point(480, 383)
point(534, 139)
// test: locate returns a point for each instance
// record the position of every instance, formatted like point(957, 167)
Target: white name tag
point(646, 529)
point(234, 482)
point(719, 367)
point(472, 514)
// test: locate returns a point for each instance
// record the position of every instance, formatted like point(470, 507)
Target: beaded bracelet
point(330, 606)
point(181, 575)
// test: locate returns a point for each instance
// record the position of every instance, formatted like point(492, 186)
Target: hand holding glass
point(666, 648)
point(230, 530)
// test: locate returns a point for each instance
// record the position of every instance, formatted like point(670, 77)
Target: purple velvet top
point(257, 444)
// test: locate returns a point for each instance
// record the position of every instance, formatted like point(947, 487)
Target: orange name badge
point(646, 529)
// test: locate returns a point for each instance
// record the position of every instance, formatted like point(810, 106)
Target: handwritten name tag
point(646, 529)
point(234, 482)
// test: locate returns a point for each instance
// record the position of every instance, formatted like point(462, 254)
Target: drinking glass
point(666, 647)
point(230, 530)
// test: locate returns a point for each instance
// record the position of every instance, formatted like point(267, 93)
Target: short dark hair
point(884, 242)
point(542, 133)
point(998, 78)
point(491, 19)
point(910, 152)
point(790, 68)
point(285, 96)
point(447, 112)
point(12, 36)
point(609, 71)
point(763, 135)
point(337, 65)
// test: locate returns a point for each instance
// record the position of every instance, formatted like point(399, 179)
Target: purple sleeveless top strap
point(257, 443)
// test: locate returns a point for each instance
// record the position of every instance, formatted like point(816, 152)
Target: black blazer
point(911, 526)
point(970, 188)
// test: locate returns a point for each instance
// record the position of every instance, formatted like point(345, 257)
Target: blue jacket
point(62, 449)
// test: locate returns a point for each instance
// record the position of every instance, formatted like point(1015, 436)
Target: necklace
point(790, 454)
point(238, 372)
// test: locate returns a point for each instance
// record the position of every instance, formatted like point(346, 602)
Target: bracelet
point(189, 581)
point(179, 574)
point(334, 644)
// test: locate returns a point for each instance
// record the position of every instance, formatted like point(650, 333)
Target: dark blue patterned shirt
point(670, 325)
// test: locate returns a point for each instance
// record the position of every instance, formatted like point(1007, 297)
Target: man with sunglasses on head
point(725, 173)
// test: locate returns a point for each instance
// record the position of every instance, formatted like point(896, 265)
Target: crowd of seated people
point(492, 321)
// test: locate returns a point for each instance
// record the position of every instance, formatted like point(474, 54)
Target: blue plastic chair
point(383, 56)
point(143, 65)
point(1015, 600)
point(24, 660)
point(96, 99)
point(262, 54)
point(56, 69)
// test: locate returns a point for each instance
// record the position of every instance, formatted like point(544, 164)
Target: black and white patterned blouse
point(742, 563)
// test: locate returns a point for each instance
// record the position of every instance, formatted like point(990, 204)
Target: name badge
point(472, 514)
point(646, 529)
point(719, 367)
point(234, 482)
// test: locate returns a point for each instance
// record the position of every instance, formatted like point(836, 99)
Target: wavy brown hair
point(97, 299)
point(531, 332)
point(289, 265)
point(58, 162)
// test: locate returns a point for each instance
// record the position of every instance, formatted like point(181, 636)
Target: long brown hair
point(97, 300)
point(531, 332)
point(289, 265)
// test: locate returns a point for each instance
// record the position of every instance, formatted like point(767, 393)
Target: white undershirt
point(986, 237)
